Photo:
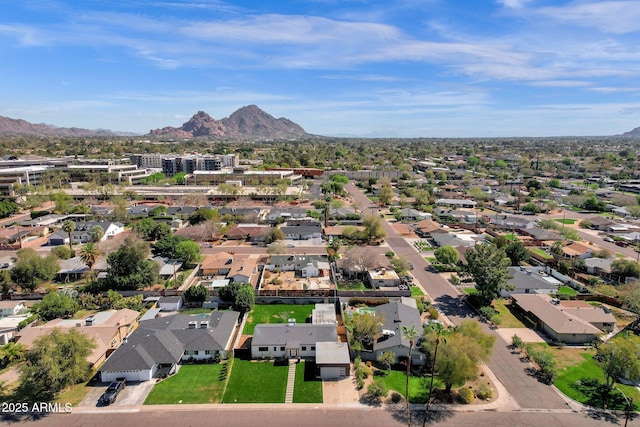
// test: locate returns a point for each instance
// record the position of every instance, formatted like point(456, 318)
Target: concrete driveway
point(134, 394)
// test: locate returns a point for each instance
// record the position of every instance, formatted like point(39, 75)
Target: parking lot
point(133, 394)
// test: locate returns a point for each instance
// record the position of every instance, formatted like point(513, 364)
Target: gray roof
point(331, 353)
point(542, 234)
point(165, 339)
point(532, 278)
point(554, 316)
point(396, 315)
point(280, 334)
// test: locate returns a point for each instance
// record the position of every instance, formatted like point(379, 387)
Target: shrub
point(433, 313)
point(455, 280)
point(372, 302)
point(396, 397)
point(377, 389)
point(517, 342)
point(484, 392)
point(487, 312)
point(465, 395)
point(389, 254)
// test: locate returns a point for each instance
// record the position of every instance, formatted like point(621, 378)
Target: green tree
point(363, 328)
point(55, 361)
point(69, 227)
point(516, 252)
point(89, 254)
point(10, 353)
point(625, 268)
point(461, 355)
point(618, 358)
point(446, 255)
point(409, 333)
point(97, 233)
point(188, 251)
point(373, 228)
point(129, 267)
point(202, 215)
point(56, 305)
point(31, 269)
point(385, 194)
point(197, 294)
point(487, 265)
point(274, 235)
point(240, 295)
point(167, 245)
point(387, 358)
point(62, 252)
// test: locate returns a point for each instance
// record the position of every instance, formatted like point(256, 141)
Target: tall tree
point(487, 265)
point(56, 305)
point(31, 269)
point(619, 358)
point(54, 362)
point(373, 228)
point(129, 267)
point(69, 227)
point(89, 254)
point(437, 332)
point(409, 333)
point(516, 252)
point(188, 251)
point(97, 233)
point(446, 255)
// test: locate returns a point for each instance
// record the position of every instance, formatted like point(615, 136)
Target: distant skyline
point(394, 68)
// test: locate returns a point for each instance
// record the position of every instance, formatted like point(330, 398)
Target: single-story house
point(301, 230)
point(557, 321)
point(307, 265)
point(160, 344)
point(457, 203)
point(107, 328)
point(170, 303)
point(168, 267)
point(396, 314)
point(11, 308)
point(383, 277)
point(9, 327)
point(71, 269)
point(252, 232)
point(286, 214)
point(599, 266)
point(531, 280)
point(290, 340)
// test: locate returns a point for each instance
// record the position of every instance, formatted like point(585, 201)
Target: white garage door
point(330, 372)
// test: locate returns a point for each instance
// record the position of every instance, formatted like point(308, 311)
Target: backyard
point(505, 317)
point(256, 382)
point(192, 384)
point(274, 313)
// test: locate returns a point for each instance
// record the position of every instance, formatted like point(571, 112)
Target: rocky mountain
point(10, 126)
point(247, 122)
point(634, 132)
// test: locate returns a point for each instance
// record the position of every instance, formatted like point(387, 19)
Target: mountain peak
point(247, 122)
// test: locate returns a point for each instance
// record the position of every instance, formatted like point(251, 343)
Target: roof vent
point(292, 322)
point(388, 333)
point(204, 325)
point(193, 324)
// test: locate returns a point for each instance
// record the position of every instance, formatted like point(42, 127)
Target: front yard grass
point(192, 384)
point(418, 385)
point(416, 291)
point(567, 290)
point(256, 382)
point(307, 388)
point(567, 221)
point(271, 314)
point(583, 382)
point(506, 318)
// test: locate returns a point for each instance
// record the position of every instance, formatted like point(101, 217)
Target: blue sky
point(393, 68)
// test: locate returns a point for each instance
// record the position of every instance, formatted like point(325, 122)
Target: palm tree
point(89, 254)
point(440, 333)
point(69, 226)
point(409, 334)
point(97, 233)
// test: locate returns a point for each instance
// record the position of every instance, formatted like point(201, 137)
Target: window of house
point(281, 348)
point(313, 348)
point(263, 348)
point(304, 348)
point(207, 352)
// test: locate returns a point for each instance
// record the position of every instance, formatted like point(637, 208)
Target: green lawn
point(418, 386)
point(416, 291)
point(256, 382)
point(192, 384)
point(567, 221)
point(541, 253)
point(470, 291)
point(507, 319)
point(579, 383)
point(307, 388)
point(567, 290)
point(510, 236)
point(353, 286)
point(271, 314)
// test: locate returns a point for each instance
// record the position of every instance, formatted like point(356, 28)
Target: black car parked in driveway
point(112, 392)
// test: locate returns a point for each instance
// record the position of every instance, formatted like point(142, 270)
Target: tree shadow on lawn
point(599, 395)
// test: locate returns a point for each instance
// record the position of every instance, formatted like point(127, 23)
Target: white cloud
point(614, 17)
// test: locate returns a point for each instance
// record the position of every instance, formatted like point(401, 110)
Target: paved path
point(507, 367)
point(291, 381)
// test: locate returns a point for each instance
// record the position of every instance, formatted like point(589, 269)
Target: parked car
point(109, 396)
point(608, 239)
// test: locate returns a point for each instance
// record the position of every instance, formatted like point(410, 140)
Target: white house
point(170, 303)
point(11, 308)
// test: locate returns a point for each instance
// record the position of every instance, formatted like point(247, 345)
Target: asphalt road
point(272, 416)
point(527, 391)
